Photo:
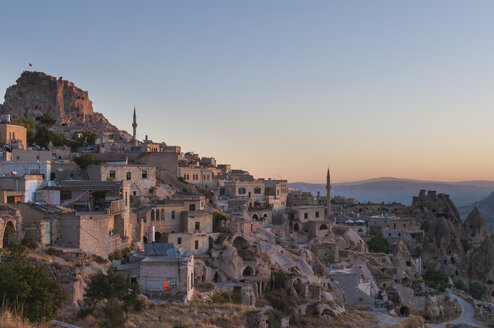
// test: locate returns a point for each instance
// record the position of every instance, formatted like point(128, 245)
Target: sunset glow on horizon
point(282, 89)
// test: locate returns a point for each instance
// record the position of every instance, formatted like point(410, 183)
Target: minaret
point(134, 127)
point(328, 195)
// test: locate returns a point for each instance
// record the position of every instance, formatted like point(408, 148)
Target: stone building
point(141, 178)
point(13, 135)
point(278, 189)
point(181, 221)
point(94, 232)
point(202, 177)
point(15, 189)
point(10, 225)
point(164, 273)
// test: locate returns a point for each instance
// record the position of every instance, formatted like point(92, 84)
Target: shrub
point(53, 251)
point(378, 244)
point(119, 294)
point(436, 279)
point(479, 290)
point(218, 298)
point(459, 283)
point(281, 301)
point(29, 243)
point(86, 160)
point(465, 244)
point(280, 279)
point(425, 225)
point(217, 219)
point(27, 286)
point(98, 259)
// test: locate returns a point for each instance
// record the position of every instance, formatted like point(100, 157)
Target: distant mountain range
point(389, 190)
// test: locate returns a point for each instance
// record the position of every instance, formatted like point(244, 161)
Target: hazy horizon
point(282, 89)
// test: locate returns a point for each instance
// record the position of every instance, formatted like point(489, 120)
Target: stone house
point(16, 189)
point(142, 178)
point(96, 233)
point(13, 135)
point(278, 189)
point(164, 273)
point(202, 177)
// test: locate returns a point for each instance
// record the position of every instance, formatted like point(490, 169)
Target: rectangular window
point(129, 175)
point(192, 207)
point(179, 240)
point(173, 214)
point(306, 216)
point(112, 174)
point(196, 244)
point(198, 226)
point(317, 214)
point(144, 174)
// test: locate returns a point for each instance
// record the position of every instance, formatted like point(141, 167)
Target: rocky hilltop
point(36, 93)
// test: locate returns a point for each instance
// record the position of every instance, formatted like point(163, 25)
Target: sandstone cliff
point(36, 93)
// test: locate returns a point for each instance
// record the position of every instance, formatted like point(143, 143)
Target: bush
point(459, 283)
point(119, 294)
point(465, 244)
point(86, 160)
point(425, 225)
point(29, 243)
point(53, 251)
point(281, 301)
point(218, 218)
point(280, 279)
point(27, 286)
point(378, 244)
point(218, 298)
point(436, 279)
point(479, 290)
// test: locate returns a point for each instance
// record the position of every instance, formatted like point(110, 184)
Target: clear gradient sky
point(280, 88)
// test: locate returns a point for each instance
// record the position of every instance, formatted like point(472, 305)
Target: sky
point(281, 88)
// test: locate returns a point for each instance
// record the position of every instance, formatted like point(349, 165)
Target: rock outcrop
point(475, 227)
point(482, 262)
point(36, 94)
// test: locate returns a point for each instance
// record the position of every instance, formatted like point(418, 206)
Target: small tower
point(134, 127)
point(328, 195)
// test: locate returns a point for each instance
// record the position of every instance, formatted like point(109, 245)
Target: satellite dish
point(181, 251)
point(59, 169)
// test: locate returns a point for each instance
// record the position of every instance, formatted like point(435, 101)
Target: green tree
point(436, 279)
point(378, 244)
point(43, 136)
point(459, 283)
point(30, 127)
point(118, 293)
point(425, 225)
point(86, 160)
point(59, 139)
point(218, 218)
point(28, 286)
point(86, 139)
point(479, 290)
point(46, 120)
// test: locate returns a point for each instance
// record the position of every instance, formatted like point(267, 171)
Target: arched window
point(241, 191)
point(162, 214)
point(157, 215)
point(152, 215)
point(257, 190)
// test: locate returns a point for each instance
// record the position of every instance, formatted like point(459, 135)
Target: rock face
point(36, 93)
point(482, 262)
point(475, 227)
point(442, 248)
